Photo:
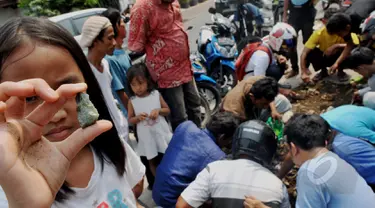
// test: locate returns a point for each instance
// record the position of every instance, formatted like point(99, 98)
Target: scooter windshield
point(220, 19)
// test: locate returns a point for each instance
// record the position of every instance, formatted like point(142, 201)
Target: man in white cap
point(156, 28)
point(98, 37)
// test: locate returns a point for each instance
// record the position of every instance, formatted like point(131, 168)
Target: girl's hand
point(142, 116)
point(32, 169)
point(154, 114)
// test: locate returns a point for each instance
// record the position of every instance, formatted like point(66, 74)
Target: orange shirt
point(157, 29)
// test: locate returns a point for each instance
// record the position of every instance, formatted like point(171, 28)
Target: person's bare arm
point(286, 8)
point(138, 189)
point(347, 50)
point(164, 111)
point(304, 54)
point(124, 98)
point(286, 166)
point(252, 202)
point(181, 203)
point(274, 113)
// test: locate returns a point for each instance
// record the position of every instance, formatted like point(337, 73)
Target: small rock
point(312, 92)
point(327, 97)
point(330, 108)
point(311, 112)
point(87, 113)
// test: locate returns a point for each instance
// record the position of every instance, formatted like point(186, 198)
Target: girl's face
point(139, 86)
point(56, 66)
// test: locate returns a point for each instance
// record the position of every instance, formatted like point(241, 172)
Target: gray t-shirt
point(328, 181)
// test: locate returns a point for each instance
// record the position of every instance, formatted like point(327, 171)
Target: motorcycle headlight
point(225, 52)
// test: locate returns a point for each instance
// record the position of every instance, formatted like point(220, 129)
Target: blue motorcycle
point(207, 86)
point(217, 45)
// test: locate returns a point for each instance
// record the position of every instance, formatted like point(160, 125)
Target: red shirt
point(157, 29)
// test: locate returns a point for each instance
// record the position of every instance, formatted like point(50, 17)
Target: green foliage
point(54, 7)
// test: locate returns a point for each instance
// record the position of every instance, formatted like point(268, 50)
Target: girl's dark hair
point(17, 31)
point(140, 70)
point(114, 17)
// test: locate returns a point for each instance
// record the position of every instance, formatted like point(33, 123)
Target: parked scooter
point(207, 86)
point(278, 10)
point(217, 45)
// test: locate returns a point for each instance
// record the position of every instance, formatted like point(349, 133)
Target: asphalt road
point(196, 17)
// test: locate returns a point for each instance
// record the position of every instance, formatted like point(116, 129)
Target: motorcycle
point(278, 10)
point(207, 86)
point(340, 3)
point(252, 20)
point(217, 45)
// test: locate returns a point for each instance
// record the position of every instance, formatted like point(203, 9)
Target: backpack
point(245, 56)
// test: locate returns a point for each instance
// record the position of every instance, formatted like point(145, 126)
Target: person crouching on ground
point(363, 58)
point(322, 50)
point(190, 151)
point(266, 57)
point(226, 182)
point(324, 179)
point(250, 98)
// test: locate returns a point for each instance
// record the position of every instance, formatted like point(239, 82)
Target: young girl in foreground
point(104, 172)
point(147, 109)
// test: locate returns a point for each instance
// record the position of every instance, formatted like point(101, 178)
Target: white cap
point(91, 29)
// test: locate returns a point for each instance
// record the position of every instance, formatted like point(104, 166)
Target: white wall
point(7, 13)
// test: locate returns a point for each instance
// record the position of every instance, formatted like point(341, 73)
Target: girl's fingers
point(27, 88)
point(80, 138)
point(42, 89)
point(71, 90)
point(15, 108)
point(43, 114)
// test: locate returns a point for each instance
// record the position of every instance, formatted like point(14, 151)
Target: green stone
point(87, 113)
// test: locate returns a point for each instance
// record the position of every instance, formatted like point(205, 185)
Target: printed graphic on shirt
point(114, 200)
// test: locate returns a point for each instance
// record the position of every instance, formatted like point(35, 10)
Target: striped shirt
point(227, 182)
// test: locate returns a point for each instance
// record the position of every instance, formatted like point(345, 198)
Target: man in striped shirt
point(227, 182)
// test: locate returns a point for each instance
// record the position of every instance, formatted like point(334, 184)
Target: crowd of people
point(48, 160)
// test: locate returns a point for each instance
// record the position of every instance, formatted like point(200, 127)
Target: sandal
point(321, 75)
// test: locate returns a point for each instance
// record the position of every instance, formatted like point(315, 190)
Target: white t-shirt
point(105, 80)
point(227, 182)
point(106, 189)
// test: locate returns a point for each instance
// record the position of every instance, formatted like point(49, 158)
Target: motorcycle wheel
point(229, 79)
point(205, 111)
point(211, 94)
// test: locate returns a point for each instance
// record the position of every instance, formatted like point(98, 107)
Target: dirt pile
point(317, 99)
